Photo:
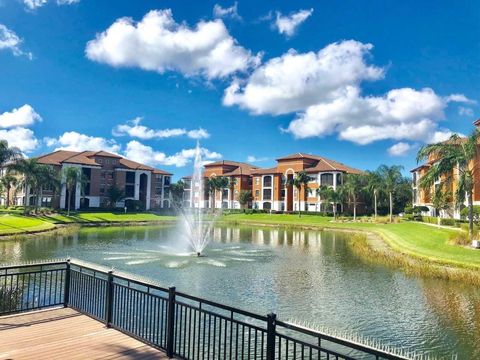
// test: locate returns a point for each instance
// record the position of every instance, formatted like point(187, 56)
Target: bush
point(10, 298)
point(408, 210)
point(448, 222)
point(459, 238)
point(476, 213)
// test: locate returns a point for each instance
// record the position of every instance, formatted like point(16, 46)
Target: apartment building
point(101, 170)
point(240, 176)
point(270, 187)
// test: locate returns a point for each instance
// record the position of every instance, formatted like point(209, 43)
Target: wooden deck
point(67, 334)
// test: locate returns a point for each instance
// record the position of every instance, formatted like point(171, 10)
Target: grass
point(414, 239)
point(11, 224)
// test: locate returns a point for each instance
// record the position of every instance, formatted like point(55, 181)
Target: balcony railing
point(185, 326)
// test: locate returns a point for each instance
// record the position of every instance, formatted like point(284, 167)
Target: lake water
point(304, 276)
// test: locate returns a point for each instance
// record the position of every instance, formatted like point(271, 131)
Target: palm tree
point(300, 179)
point(351, 188)
point(176, 193)
point(456, 154)
point(223, 182)
point(391, 179)
point(374, 186)
point(212, 184)
point(244, 197)
point(8, 154)
point(71, 176)
point(441, 200)
point(331, 196)
point(29, 168)
point(323, 192)
point(45, 177)
point(8, 181)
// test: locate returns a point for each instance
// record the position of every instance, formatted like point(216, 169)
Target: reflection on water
point(306, 276)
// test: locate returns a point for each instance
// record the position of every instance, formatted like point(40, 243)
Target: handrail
point(181, 328)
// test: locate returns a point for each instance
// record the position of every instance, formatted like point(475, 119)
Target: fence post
point(271, 334)
point(66, 294)
point(170, 321)
point(109, 300)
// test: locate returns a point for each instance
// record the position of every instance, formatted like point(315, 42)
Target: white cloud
point(75, 141)
point(9, 40)
point(20, 137)
point(133, 128)
point(34, 4)
point(23, 116)
point(146, 154)
point(465, 111)
point(324, 91)
point(221, 12)
point(399, 149)
point(252, 159)
point(288, 24)
point(158, 43)
point(294, 81)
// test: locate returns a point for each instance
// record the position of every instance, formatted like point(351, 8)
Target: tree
point(323, 193)
point(441, 200)
point(8, 181)
point(176, 193)
point(8, 154)
point(223, 182)
point(115, 194)
point(71, 176)
point(244, 197)
point(374, 186)
point(212, 185)
point(29, 168)
point(45, 177)
point(300, 180)
point(392, 178)
point(332, 196)
point(351, 189)
point(454, 155)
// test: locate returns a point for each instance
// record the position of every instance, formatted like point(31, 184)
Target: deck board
point(66, 334)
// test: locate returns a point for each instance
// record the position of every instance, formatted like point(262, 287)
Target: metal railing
point(184, 326)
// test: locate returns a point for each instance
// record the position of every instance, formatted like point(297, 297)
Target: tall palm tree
point(46, 177)
point(351, 188)
point(212, 184)
point(323, 192)
point(223, 182)
point(300, 180)
point(8, 181)
point(456, 154)
point(391, 178)
point(29, 168)
point(374, 186)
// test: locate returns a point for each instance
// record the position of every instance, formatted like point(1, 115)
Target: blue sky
point(362, 82)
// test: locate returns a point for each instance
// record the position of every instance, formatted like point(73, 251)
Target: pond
point(305, 276)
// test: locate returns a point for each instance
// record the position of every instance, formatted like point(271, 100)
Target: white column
point(136, 195)
point(78, 194)
point(149, 190)
point(63, 196)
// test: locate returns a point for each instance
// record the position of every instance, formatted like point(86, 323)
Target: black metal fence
point(184, 326)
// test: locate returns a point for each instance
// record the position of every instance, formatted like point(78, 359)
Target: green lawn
point(11, 224)
point(106, 217)
point(408, 237)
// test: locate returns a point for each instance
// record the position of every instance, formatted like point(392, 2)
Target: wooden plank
point(66, 334)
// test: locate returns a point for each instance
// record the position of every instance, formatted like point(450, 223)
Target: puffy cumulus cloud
point(9, 40)
point(402, 114)
point(324, 90)
point(146, 154)
point(288, 24)
point(133, 128)
point(75, 141)
point(158, 43)
point(229, 12)
point(294, 81)
point(34, 4)
point(20, 137)
point(400, 149)
point(22, 116)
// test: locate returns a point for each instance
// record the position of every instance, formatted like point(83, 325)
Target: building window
point(257, 181)
point(102, 189)
point(99, 161)
point(267, 181)
point(267, 194)
point(130, 177)
point(167, 180)
point(257, 193)
point(327, 179)
point(339, 179)
point(282, 194)
point(129, 190)
point(267, 206)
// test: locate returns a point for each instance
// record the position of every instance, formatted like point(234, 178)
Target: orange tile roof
point(241, 168)
point(264, 171)
point(162, 172)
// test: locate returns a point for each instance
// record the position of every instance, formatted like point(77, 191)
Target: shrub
point(459, 238)
point(447, 222)
point(10, 298)
point(476, 213)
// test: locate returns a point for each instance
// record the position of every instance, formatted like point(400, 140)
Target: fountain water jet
point(196, 224)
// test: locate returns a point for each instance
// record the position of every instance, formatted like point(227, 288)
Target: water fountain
point(196, 224)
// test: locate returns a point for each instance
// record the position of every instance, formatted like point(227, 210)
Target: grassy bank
point(414, 239)
point(14, 223)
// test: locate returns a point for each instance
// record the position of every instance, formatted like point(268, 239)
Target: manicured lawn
point(16, 224)
point(408, 237)
point(106, 217)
